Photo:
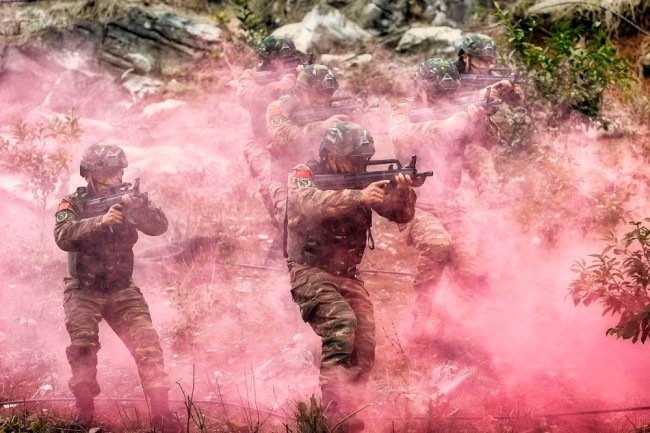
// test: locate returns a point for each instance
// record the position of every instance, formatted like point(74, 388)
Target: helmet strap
point(91, 183)
point(467, 62)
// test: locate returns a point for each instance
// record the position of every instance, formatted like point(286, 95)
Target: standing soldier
point(448, 145)
point(476, 56)
point(273, 77)
point(291, 137)
point(258, 87)
point(326, 239)
point(100, 285)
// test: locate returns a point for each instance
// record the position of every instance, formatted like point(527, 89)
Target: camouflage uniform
point(256, 98)
point(326, 239)
point(445, 147)
point(99, 286)
point(288, 145)
point(477, 45)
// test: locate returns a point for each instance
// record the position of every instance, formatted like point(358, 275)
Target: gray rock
point(435, 41)
point(152, 42)
point(139, 86)
point(323, 30)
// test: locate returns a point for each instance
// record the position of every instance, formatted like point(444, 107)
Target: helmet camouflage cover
point(347, 139)
point(478, 45)
point(437, 76)
point(277, 47)
point(101, 156)
point(317, 79)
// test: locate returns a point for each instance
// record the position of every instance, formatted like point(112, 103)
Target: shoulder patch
point(276, 121)
point(302, 172)
point(302, 176)
point(274, 110)
point(61, 216)
point(401, 109)
point(304, 182)
point(63, 206)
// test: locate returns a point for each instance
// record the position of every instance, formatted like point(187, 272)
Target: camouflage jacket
point(101, 256)
point(328, 229)
point(441, 145)
point(290, 143)
point(256, 98)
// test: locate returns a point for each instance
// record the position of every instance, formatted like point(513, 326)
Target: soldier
point(273, 77)
point(290, 138)
point(326, 239)
point(100, 285)
point(448, 145)
point(476, 56)
point(279, 61)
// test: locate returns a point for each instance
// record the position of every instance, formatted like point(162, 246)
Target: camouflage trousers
point(258, 160)
point(480, 167)
point(127, 313)
point(340, 312)
point(442, 238)
point(278, 194)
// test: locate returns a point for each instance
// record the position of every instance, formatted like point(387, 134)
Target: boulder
point(149, 41)
point(435, 41)
point(324, 30)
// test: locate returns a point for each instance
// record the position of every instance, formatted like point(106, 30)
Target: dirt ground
point(507, 357)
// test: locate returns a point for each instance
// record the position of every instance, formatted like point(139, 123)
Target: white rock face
point(435, 41)
point(324, 29)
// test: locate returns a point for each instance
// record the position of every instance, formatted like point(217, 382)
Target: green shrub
point(40, 153)
point(250, 22)
point(569, 66)
point(618, 279)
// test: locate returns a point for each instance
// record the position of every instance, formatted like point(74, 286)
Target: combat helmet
point(478, 45)
point(277, 47)
point(437, 76)
point(317, 79)
point(101, 156)
point(347, 139)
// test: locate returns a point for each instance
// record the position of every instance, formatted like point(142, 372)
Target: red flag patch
point(301, 172)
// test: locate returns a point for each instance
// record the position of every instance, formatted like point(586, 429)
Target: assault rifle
point(339, 105)
point(100, 205)
point(491, 76)
point(266, 77)
point(363, 178)
point(454, 106)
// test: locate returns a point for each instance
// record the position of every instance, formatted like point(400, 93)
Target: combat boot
point(338, 417)
point(162, 420)
point(85, 410)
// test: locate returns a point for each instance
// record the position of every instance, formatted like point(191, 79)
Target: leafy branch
point(40, 153)
point(571, 66)
point(618, 278)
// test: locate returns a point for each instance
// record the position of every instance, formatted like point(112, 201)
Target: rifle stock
point(364, 178)
point(100, 205)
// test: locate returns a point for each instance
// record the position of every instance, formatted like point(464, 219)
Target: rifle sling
point(285, 253)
